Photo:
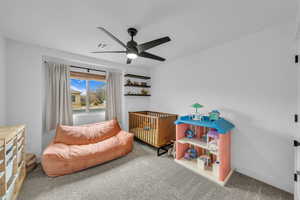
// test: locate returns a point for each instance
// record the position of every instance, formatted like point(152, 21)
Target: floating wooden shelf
point(137, 76)
point(142, 95)
point(141, 86)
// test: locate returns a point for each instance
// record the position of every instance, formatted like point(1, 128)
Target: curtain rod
point(86, 68)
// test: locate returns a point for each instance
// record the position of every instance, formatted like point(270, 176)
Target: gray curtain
point(113, 96)
point(59, 104)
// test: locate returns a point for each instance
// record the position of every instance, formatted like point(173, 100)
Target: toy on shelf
point(205, 118)
point(213, 134)
point(197, 115)
point(213, 146)
point(189, 133)
point(214, 115)
point(204, 161)
point(190, 154)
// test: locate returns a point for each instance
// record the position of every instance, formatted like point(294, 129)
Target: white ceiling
point(193, 25)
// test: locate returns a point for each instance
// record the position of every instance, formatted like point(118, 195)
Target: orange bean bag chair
point(79, 147)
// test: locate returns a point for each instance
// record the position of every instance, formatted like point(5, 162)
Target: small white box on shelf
point(216, 169)
point(200, 163)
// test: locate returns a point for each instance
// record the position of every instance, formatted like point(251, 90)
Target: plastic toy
point(213, 134)
point(189, 133)
point(206, 159)
point(205, 118)
point(214, 115)
point(190, 154)
point(197, 115)
point(213, 146)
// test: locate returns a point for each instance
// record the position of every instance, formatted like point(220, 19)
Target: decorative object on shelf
point(132, 83)
point(190, 154)
point(216, 169)
point(128, 82)
point(197, 115)
point(144, 92)
point(189, 133)
point(214, 115)
point(143, 83)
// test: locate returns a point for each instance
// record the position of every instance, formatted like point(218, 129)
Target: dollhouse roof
point(222, 125)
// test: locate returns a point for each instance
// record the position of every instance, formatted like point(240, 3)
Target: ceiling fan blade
point(112, 36)
point(108, 52)
point(128, 61)
point(151, 56)
point(148, 45)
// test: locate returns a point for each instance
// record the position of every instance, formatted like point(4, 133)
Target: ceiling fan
point(133, 49)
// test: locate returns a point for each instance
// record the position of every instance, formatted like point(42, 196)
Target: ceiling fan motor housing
point(131, 45)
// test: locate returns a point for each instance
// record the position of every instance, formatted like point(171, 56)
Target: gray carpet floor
point(142, 176)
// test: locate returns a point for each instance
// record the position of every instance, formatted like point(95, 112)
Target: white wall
point(26, 87)
point(252, 81)
point(2, 80)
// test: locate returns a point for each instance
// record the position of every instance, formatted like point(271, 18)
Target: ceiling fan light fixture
point(132, 56)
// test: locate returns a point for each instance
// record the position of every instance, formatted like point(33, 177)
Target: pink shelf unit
point(219, 168)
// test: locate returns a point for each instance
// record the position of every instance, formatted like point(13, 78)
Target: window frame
point(87, 77)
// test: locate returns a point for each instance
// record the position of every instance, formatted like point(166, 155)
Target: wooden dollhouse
point(211, 143)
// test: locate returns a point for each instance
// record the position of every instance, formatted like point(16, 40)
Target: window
point(73, 98)
point(88, 92)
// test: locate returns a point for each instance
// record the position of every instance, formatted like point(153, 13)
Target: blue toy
point(205, 118)
point(189, 133)
point(214, 115)
point(190, 154)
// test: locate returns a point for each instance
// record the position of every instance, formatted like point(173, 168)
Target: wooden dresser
point(12, 161)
